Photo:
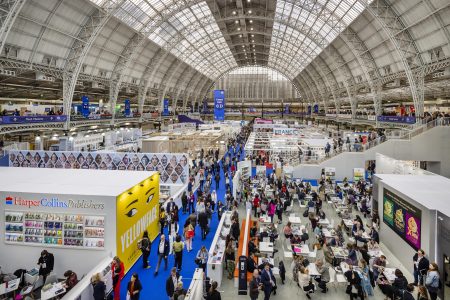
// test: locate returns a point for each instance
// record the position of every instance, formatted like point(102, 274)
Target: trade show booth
point(408, 206)
point(78, 215)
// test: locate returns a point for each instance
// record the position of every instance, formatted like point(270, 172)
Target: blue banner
point(31, 119)
point(397, 119)
point(316, 108)
point(286, 109)
point(166, 107)
point(127, 107)
point(219, 105)
point(85, 106)
point(309, 109)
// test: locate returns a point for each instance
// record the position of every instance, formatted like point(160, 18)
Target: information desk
point(52, 290)
point(216, 253)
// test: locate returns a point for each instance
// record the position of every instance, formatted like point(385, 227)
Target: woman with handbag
point(201, 258)
point(189, 235)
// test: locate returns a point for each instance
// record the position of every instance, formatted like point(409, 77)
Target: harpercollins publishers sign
point(53, 202)
point(285, 131)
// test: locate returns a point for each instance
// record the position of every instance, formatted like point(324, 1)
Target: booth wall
point(402, 250)
point(16, 256)
point(432, 145)
point(443, 242)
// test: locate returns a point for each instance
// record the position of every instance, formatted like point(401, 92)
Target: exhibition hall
point(224, 149)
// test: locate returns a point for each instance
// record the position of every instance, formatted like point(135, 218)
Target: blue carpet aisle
point(154, 287)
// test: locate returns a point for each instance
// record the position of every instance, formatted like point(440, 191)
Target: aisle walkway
point(154, 287)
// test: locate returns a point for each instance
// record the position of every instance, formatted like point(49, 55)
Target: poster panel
point(402, 217)
point(137, 210)
point(172, 167)
point(358, 173)
point(219, 105)
point(261, 171)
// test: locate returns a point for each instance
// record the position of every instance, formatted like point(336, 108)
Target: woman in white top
point(214, 200)
point(304, 280)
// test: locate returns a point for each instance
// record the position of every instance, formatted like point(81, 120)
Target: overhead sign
point(219, 105)
point(316, 108)
point(397, 119)
point(32, 119)
point(165, 107)
point(85, 106)
point(309, 109)
point(285, 131)
point(137, 210)
point(127, 107)
point(52, 202)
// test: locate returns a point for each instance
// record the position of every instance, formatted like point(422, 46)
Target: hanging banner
point(281, 131)
point(286, 109)
point(316, 108)
point(166, 107)
point(32, 119)
point(219, 105)
point(309, 109)
point(403, 218)
point(172, 167)
point(127, 107)
point(397, 119)
point(358, 173)
point(85, 106)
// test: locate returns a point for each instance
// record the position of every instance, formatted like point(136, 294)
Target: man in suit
point(251, 264)
point(255, 285)
point(235, 231)
point(46, 263)
point(203, 222)
point(268, 281)
point(421, 265)
point(163, 252)
point(172, 283)
point(170, 205)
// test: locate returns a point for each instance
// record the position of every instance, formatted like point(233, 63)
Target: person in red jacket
point(118, 271)
point(256, 202)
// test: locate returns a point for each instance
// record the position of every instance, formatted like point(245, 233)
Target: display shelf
point(55, 230)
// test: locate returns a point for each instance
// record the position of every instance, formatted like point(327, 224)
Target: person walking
point(172, 283)
point(178, 247)
point(145, 245)
point(268, 281)
point(191, 203)
point(213, 200)
point(354, 288)
point(184, 202)
point(213, 293)
point(422, 293)
point(189, 235)
point(134, 287)
point(202, 258)
point(118, 271)
point(203, 222)
point(217, 180)
point(230, 260)
point(432, 281)
point(163, 252)
point(255, 285)
point(46, 263)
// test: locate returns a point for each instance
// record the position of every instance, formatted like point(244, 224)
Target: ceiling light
point(251, 21)
point(239, 29)
point(253, 41)
point(234, 12)
point(249, 12)
point(243, 46)
point(251, 28)
point(249, 1)
point(253, 35)
point(237, 22)
point(240, 35)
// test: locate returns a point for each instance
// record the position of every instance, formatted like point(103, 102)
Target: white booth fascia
point(61, 186)
point(427, 193)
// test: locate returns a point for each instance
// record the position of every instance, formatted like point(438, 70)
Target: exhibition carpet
point(154, 287)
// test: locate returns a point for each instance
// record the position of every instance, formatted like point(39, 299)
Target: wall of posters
point(172, 167)
point(402, 217)
point(137, 210)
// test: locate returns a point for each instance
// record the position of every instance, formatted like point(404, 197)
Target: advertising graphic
point(137, 210)
point(85, 106)
point(165, 107)
point(402, 217)
point(316, 108)
point(172, 167)
point(219, 105)
point(127, 107)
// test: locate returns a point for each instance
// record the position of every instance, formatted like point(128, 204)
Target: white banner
point(181, 127)
point(245, 167)
point(281, 131)
point(172, 167)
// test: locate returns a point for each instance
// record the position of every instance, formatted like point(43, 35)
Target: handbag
point(190, 233)
point(197, 261)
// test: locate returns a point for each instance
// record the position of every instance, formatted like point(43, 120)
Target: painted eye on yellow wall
point(131, 212)
point(150, 198)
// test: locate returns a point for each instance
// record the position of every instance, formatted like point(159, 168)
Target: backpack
point(143, 244)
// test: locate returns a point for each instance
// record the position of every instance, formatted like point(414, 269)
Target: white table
point(266, 247)
point(264, 220)
point(301, 249)
point(55, 290)
point(10, 286)
point(324, 222)
point(295, 220)
point(348, 223)
point(326, 233)
point(389, 273)
point(312, 268)
point(31, 276)
point(375, 252)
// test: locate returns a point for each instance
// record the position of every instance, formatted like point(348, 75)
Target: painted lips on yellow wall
point(137, 210)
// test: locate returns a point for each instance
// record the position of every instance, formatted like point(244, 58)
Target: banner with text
point(127, 107)
point(165, 107)
point(219, 105)
point(32, 119)
point(172, 167)
point(281, 131)
point(85, 106)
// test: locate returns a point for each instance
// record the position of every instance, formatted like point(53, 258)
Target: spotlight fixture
point(234, 12)
point(240, 35)
point(239, 29)
point(249, 12)
point(251, 28)
point(237, 22)
point(251, 21)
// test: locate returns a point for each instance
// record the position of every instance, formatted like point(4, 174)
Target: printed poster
point(172, 167)
point(402, 217)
